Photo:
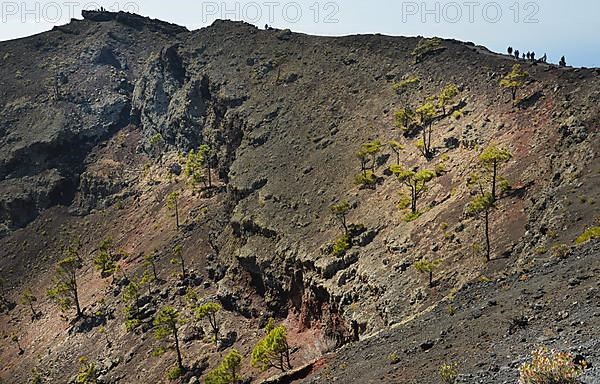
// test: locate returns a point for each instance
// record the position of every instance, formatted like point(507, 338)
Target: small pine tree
point(105, 261)
point(147, 280)
point(483, 205)
point(397, 148)
point(415, 180)
point(15, 339)
point(448, 94)
point(65, 291)
point(179, 260)
point(28, 298)
point(340, 212)
point(425, 266)
point(492, 158)
point(273, 351)
point(150, 260)
point(166, 324)
point(205, 151)
point(172, 200)
point(405, 119)
point(193, 168)
point(209, 311)
point(514, 80)
point(372, 149)
point(131, 295)
point(228, 372)
point(427, 114)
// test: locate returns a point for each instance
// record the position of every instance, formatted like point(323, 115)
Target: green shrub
point(440, 169)
point(341, 246)
point(448, 373)
point(403, 84)
point(88, 373)
point(550, 368)
point(404, 202)
point(457, 114)
point(589, 234)
point(366, 179)
point(409, 217)
point(560, 251)
point(174, 373)
point(427, 46)
point(394, 358)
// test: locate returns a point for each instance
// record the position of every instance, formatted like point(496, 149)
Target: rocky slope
point(285, 114)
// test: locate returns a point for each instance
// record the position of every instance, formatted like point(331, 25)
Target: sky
point(551, 27)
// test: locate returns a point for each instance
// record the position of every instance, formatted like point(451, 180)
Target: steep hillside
point(97, 119)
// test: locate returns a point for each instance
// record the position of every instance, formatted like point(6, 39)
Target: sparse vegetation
point(550, 368)
point(448, 373)
point(394, 358)
point(88, 373)
point(589, 234)
point(341, 245)
point(366, 179)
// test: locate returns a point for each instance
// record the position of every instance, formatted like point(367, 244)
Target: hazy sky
point(569, 28)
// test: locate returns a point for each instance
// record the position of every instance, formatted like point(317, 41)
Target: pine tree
point(273, 351)
point(492, 158)
point(340, 211)
point(150, 260)
point(65, 291)
point(425, 266)
point(105, 261)
point(427, 114)
point(209, 311)
point(415, 180)
point(514, 80)
point(179, 260)
point(482, 205)
point(166, 324)
point(397, 148)
point(228, 371)
point(172, 204)
point(28, 298)
point(448, 94)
